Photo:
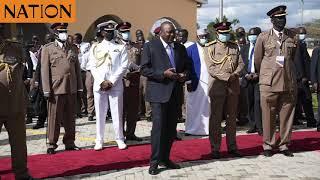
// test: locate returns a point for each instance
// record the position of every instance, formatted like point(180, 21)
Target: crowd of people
point(262, 78)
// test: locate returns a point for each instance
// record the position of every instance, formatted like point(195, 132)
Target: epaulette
point(210, 43)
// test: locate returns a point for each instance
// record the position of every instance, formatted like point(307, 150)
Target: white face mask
point(302, 36)
point(63, 36)
point(126, 36)
point(203, 41)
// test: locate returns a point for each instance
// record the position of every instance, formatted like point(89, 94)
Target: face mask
point(252, 38)
point(203, 41)
point(62, 36)
point(302, 36)
point(224, 37)
point(109, 36)
point(126, 36)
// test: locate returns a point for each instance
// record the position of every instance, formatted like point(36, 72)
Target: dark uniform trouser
point(243, 104)
point(89, 88)
point(16, 128)
point(82, 101)
point(254, 107)
point(273, 103)
point(61, 109)
point(216, 117)
point(131, 109)
point(304, 100)
point(144, 106)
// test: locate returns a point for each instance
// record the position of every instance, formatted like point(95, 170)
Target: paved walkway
point(305, 165)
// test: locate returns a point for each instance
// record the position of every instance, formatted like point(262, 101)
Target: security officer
point(274, 61)
point(109, 62)
point(224, 65)
point(131, 81)
point(13, 102)
point(61, 81)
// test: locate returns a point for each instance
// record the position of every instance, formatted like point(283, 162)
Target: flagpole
point(221, 10)
point(302, 9)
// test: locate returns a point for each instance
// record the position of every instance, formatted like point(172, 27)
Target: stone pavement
point(305, 165)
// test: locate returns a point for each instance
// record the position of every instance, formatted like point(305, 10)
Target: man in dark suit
point(315, 75)
point(250, 81)
point(302, 61)
point(166, 66)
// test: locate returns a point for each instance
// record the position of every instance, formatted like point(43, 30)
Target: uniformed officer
point(109, 62)
point(131, 81)
point(13, 102)
point(224, 65)
point(274, 61)
point(61, 81)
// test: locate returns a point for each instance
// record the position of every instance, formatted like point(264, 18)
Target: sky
point(252, 13)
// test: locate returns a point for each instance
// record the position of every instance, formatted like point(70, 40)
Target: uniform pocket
point(266, 78)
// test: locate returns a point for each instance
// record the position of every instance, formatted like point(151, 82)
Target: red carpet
point(89, 161)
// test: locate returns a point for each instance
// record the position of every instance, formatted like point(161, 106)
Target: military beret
point(157, 30)
point(55, 26)
point(124, 26)
point(277, 11)
point(222, 27)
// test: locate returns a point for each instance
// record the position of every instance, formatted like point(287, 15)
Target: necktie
point(280, 36)
point(251, 58)
point(171, 55)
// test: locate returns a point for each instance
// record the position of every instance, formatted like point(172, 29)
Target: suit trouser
point(101, 101)
point(61, 109)
point(16, 128)
point(89, 87)
point(163, 132)
point(144, 106)
point(82, 100)
point(131, 109)
point(254, 107)
point(304, 100)
point(230, 107)
point(182, 106)
point(243, 104)
point(273, 103)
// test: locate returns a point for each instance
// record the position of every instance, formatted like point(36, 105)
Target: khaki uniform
point(61, 78)
point(222, 61)
point(277, 86)
point(131, 91)
point(13, 97)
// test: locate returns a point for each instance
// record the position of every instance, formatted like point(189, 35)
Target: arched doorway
point(159, 22)
point(90, 34)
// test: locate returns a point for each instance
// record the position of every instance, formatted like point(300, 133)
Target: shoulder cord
point(222, 61)
point(101, 60)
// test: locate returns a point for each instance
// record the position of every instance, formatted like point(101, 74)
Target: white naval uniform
point(84, 48)
point(111, 69)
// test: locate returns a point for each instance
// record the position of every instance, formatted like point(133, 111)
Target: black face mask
point(279, 23)
point(109, 35)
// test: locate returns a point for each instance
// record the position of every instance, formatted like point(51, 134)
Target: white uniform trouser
point(101, 103)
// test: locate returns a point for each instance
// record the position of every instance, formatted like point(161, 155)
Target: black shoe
point(287, 153)
point(90, 118)
point(38, 126)
point(153, 170)
point(181, 120)
point(72, 148)
point(28, 178)
point(171, 165)
point(29, 120)
point(215, 155)
point(133, 138)
point(149, 119)
point(177, 138)
point(267, 153)
point(79, 115)
point(51, 151)
point(260, 132)
point(318, 128)
point(252, 130)
point(235, 153)
point(311, 124)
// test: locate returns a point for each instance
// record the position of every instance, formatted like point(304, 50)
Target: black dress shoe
point(318, 129)
point(267, 153)
point(51, 151)
point(287, 153)
point(215, 155)
point(171, 165)
point(90, 118)
point(28, 178)
point(153, 170)
point(73, 148)
point(133, 138)
point(29, 120)
point(235, 153)
point(252, 130)
point(260, 133)
point(38, 126)
point(178, 138)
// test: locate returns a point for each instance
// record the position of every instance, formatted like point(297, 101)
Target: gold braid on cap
point(101, 57)
point(222, 61)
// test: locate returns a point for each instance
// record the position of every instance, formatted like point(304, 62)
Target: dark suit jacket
point(302, 61)
point(153, 64)
point(315, 65)
point(28, 72)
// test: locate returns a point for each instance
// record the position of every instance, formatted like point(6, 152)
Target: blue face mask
point(302, 37)
point(224, 37)
point(126, 36)
point(252, 38)
point(203, 41)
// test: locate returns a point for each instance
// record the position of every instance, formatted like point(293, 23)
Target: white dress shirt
point(83, 55)
point(251, 48)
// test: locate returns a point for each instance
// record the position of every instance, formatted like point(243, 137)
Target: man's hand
point(171, 74)
point(233, 77)
point(315, 87)
point(182, 77)
point(304, 80)
point(27, 82)
point(248, 77)
point(189, 87)
point(255, 76)
point(106, 85)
